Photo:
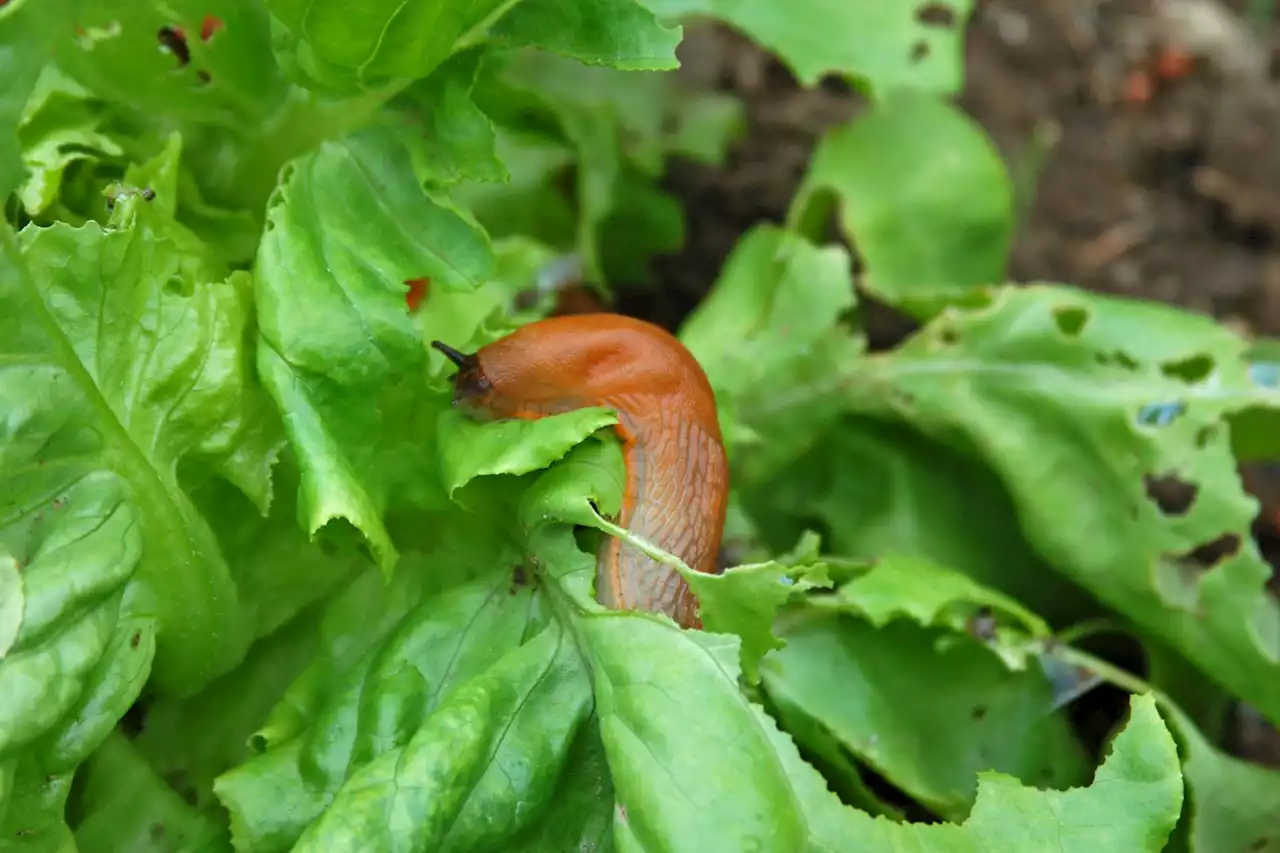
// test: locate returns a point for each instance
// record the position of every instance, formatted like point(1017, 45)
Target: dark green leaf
point(353, 706)
point(480, 769)
point(126, 806)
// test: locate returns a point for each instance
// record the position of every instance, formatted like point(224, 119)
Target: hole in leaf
point(1214, 552)
point(947, 335)
point(1194, 369)
point(520, 577)
point(982, 624)
point(177, 286)
point(919, 51)
point(1205, 435)
point(936, 15)
point(1119, 358)
point(1070, 319)
point(174, 40)
point(1173, 495)
point(1161, 414)
point(134, 720)
point(1265, 373)
point(204, 77)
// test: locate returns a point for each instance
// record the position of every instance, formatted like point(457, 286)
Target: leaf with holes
point(889, 44)
point(882, 489)
point(1107, 422)
point(1131, 806)
point(341, 355)
point(207, 63)
point(924, 196)
point(979, 715)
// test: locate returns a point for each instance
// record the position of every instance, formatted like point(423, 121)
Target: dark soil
point(1176, 198)
point(1160, 178)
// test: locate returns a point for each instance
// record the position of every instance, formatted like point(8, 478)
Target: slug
point(677, 483)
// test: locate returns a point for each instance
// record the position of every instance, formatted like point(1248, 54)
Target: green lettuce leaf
point(926, 709)
point(480, 769)
point(888, 44)
point(1082, 404)
point(61, 125)
point(929, 229)
point(339, 352)
point(122, 50)
point(126, 359)
point(27, 31)
point(1131, 807)
point(127, 806)
point(388, 658)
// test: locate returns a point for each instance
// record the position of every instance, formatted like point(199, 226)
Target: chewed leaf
point(745, 600)
point(979, 714)
point(931, 230)
point(149, 56)
point(340, 352)
point(891, 44)
point(931, 595)
point(469, 450)
point(1047, 384)
point(1131, 806)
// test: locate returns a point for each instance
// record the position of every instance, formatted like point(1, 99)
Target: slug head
point(470, 385)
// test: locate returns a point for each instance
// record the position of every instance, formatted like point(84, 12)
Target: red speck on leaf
point(210, 25)
point(418, 290)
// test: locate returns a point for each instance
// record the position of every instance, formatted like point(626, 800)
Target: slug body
point(677, 483)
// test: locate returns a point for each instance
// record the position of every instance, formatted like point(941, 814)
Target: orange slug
point(677, 486)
